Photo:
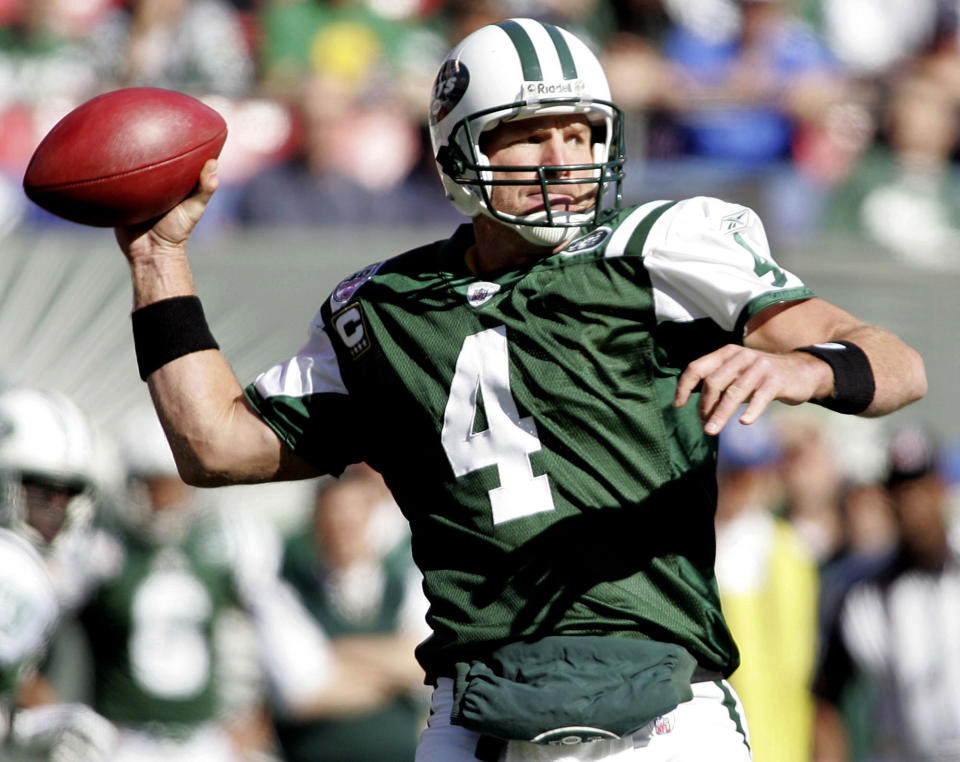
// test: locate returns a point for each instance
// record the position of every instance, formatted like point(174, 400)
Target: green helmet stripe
point(525, 49)
point(567, 63)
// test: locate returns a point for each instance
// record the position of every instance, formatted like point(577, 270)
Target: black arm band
point(853, 383)
point(168, 329)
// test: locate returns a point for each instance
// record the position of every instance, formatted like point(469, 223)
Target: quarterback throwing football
point(541, 393)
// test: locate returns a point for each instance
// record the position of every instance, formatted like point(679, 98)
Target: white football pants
point(208, 743)
point(711, 727)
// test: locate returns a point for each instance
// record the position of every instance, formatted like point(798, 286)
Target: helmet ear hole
point(451, 160)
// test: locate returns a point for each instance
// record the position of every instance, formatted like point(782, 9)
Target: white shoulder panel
point(314, 369)
point(710, 258)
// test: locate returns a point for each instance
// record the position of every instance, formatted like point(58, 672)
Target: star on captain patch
point(735, 221)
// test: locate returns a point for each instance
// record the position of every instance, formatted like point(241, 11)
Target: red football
point(124, 157)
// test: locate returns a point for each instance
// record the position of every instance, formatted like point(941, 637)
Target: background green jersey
point(390, 731)
point(525, 423)
point(150, 624)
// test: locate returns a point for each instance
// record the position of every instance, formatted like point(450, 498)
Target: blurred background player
point(896, 631)
point(152, 593)
point(46, 486)
point(357, 578)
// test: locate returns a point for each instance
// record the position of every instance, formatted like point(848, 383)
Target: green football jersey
point(388, 732)
point(525, 423)
point(150, 623)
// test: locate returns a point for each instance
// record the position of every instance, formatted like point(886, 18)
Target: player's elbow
point(208, 459)
point(202, 470)
point(237, 454)
point(900, 384)
point(915, 381)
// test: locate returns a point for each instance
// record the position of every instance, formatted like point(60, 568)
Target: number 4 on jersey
point(483, 373)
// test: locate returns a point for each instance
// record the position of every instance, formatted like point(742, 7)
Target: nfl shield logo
point(663, 725)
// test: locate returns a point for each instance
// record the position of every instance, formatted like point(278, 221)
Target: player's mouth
point(559, 202)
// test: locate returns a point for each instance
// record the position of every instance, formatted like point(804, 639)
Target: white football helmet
point(148, 459)
point(45, 442)
point(517, 69)
point(146, 450)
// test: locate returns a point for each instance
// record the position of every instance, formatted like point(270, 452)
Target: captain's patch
point(352, 330)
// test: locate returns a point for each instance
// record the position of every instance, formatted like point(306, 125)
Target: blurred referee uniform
point(897, 630)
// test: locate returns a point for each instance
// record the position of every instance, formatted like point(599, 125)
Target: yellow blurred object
point(774, 622)
point(346, 50)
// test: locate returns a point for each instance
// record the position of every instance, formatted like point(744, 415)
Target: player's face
point(341, 523)
point(46, 506)
point(536, 142)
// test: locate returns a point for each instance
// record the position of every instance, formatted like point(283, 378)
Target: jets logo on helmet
point(518, 69)
point(450, 85)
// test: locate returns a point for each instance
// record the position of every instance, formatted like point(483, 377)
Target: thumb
point(194, 205)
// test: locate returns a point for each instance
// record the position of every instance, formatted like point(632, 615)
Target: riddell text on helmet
point(546, 89)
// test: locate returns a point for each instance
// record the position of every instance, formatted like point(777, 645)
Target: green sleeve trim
point(760, 303)
point(290, 416)
point(263, 408)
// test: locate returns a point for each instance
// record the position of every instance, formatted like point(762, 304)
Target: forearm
point(898, 370)
point(215, 438)
point(200, 404)
point(390, 655)
point(161, 276)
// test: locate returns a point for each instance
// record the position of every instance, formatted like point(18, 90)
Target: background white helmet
point(45, 439)
point(517, 69)
point(146, 451)
point(149, 462)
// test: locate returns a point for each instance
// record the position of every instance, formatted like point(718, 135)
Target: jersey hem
point(259, 404)
point(760, 303)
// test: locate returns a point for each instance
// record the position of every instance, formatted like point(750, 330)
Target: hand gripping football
point(124, 157)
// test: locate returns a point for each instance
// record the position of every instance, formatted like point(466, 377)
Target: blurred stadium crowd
point(825, 115)
point(212, 639)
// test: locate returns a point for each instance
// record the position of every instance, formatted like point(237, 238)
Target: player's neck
point(499, 248)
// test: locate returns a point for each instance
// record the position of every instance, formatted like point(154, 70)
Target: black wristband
point(168, 329)
point(853, 383)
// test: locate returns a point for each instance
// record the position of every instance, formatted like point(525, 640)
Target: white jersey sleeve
point(80, 562)
point(28, 603)
point(297, 657)
point(708, 258)
point(294, 650)
point(313, 370)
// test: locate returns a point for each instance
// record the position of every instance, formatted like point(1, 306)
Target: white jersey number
point(483, 370)
point(169, 651)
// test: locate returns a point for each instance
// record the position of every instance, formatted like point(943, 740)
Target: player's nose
point(556, 151)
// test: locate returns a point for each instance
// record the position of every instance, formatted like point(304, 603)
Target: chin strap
point(544, 235)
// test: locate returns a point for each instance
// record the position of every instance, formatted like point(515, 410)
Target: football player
point(541, 393)
point(47, 480)
point(153, 591)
